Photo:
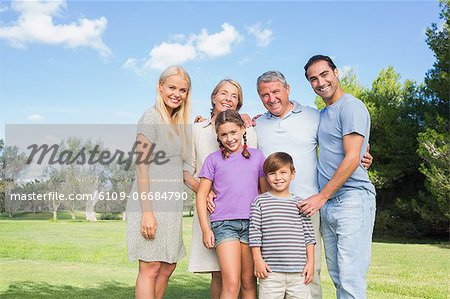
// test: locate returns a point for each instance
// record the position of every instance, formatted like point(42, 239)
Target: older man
point(347, 197)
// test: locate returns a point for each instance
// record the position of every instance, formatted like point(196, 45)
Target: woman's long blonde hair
point(180, 115)
point(179, 119)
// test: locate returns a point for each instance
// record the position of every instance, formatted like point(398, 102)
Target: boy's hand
point(208, 239)
point(262, 270)
point(308, 273)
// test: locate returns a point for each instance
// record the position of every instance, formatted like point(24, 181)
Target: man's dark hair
point(316, 58)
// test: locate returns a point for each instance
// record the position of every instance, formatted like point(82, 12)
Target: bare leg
point(216, 284)
point(229, 254)
point(248, 287)
point(163, 278)
point(146, 279)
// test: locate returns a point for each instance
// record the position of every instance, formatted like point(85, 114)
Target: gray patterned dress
point(166, 188)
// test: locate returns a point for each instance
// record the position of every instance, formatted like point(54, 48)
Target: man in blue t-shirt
point(347, 197)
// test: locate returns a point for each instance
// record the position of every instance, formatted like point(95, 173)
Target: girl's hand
point(148, 225)
point(208, 239)
point(308, 273)
point(262, 269)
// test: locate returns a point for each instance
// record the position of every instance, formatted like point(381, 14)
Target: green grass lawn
point(77, 259)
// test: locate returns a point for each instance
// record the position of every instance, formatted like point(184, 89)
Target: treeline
point(94, 188)
point(410, 142)
point(92, 184)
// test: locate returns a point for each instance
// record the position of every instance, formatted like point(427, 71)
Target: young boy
point(282, 240)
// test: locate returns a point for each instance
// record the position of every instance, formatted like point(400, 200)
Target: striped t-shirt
point(281, 231)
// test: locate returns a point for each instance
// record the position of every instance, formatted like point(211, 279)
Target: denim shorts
point(230, 230)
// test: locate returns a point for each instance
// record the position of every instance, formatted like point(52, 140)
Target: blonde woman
point(225, 96)
point(155, 207)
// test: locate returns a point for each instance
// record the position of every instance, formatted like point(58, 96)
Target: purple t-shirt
point(235, 181)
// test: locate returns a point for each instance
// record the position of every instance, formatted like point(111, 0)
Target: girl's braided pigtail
point(245, 151)
point(225, 152)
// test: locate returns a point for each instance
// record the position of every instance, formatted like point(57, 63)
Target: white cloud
point(36, 118)
point(184, 48)
point(218, 44)
point(167, 54)
point(133, 64)
point(130, 63)
point(263, 36)
point(35, 24)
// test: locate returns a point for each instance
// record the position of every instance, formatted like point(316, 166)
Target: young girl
point(154, 227)
point(235, 172)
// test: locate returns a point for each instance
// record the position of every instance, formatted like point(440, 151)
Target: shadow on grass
point(191, 286)
point(29, 289)
point(178, 288)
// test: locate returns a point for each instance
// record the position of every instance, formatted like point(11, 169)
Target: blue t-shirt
point(345, 116)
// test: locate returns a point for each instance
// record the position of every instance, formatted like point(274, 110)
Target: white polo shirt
point(295, 134)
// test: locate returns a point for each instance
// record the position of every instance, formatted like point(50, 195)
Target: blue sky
point(98, 62)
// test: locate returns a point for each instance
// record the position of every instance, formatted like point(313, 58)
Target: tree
point(12, 165)
point(397, 115)
point(2, 182)
point(435, 139)
point(55, 182)
point(73, 174)
point(437, 79)
point(94, 181)
point(119, 185)
point(80, 184)
point(29, 188)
